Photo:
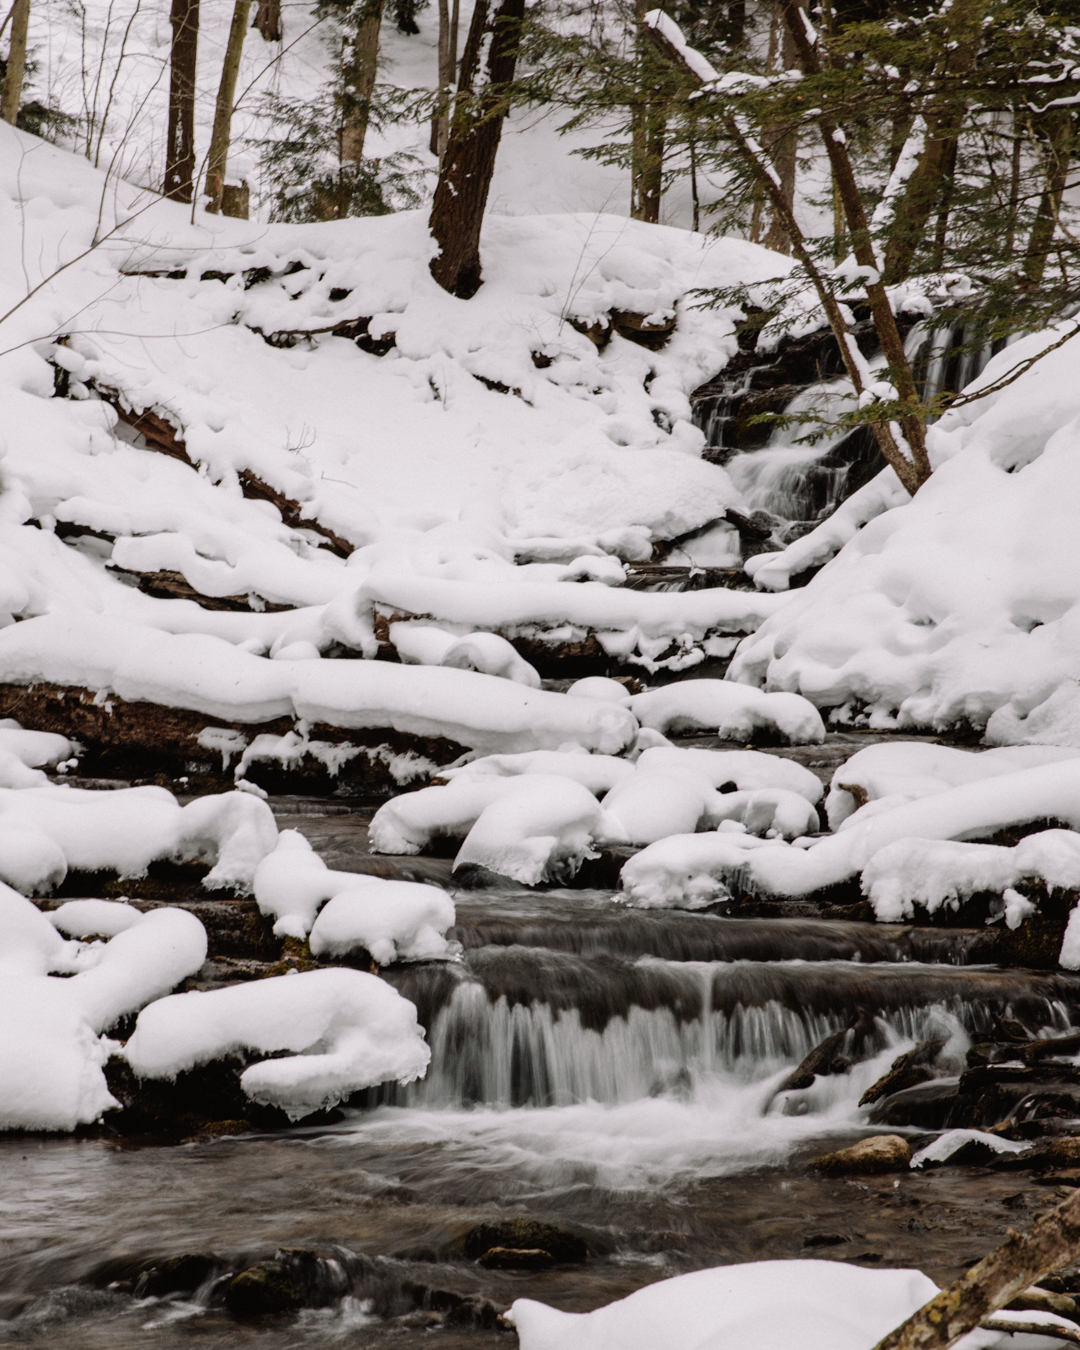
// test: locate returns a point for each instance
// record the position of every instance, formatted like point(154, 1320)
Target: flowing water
point(618, 1073)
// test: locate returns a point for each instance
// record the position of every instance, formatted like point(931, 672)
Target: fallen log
point(149, 741)
point(1052, 1241)
point(169, 585)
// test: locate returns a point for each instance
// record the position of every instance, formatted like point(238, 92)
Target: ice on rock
point(599, 773)
point(489, 654)
point(746, 770)
point(52, 1050)
point(345, 1029)
point(740, 1307)
point(733, 711)
point(94, 918)
point(543, 833)
point(393, 920)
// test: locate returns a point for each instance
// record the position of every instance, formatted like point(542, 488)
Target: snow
point(834, 1306)
point(945, 1145)
point(735, 712)
point(652, 804)
point(407, 824)
point(490, 655)
point(690, 869)
point(52, 1049)
point(599, 773)
point(94, 918)
point(393, 920)
point(346, 1030)
point(747, 770)
point(541, 834)
point(52, 829)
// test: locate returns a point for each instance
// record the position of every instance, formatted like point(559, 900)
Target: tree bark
point(1055, 129)
point(943, 124)
point(1052, 1241)
point(219, 140)
point(180, 146)
point(359, 66)
point(16, 63)
point(449, 16)
point(473, 142)
point(782, 147)
point(268, 19)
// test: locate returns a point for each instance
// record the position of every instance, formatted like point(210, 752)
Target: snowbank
point(689, 870)
point(744, 1307)
point(599, 773)
point(734, 711)
point(963, 604)
point(543, 833)
point(52, 1050)
point(49, 830)
point(346, 1030)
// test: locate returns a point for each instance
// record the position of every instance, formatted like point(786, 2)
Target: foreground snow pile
point(691, 870)
point(752, 1307)
point(47, 830)
point(962, 605)
point(393, 920)
point(51, 1049)
point(346, 1029)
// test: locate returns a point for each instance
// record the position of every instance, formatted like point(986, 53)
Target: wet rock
point(824, 1239)
point(268, 1287)
point(178, 1275)
point(517, 1258)
point(879, 1153)
point(826, 1058)
point(523, 1234)
point(1051, 1048)
point(907, 1071)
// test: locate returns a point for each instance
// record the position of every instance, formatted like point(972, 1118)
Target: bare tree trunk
point(360, 62)
point(268, 19)
point(16, 62)
point(782, 147)
point(180, 147)
point(449, 16)
point(924, 187)
point(219, 140)
point(1052, 1241)
point(650, 176)
point(1055, 129)
point(475, 130)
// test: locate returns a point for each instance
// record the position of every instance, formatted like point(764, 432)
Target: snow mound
point(345, 1029)
point(49, 830)
point(543, 833)
point(407, 824)
point(961, 605)
point(652, 804)
point(94, 918)
point(599, 773)
point(744, 770)
point(687, 870)
point(490, 655)
point(733, 711)
point(52, 1050)
point(393, 920)
point(742, 1307)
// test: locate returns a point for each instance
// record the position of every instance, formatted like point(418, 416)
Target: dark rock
point(523, 1234)
point(926, 1107)
point(517, 1258)
point(268, 1287)
point(824, 1240)
point(907, 1071)
point(178, 1275)
point(826, 1058)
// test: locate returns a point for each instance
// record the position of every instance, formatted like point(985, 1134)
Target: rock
point(826, 1058)
point(517, 1258)
point(927, 1107)
point(268, 1287)
point(1064, 1152)
point(523, 1234)
point(907, 1071)
point(879, 1153)
point(178, 1275)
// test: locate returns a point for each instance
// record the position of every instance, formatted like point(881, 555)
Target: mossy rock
point(178, 1275)
point(268, 1287)
point(523, 1234)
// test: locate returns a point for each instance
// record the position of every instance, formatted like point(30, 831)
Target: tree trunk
point(782, 147)
point(180, 147)
point(359, 66)
point(943, 124)
point(649, 185)
point(448, 40)
point(268, 19)
point(219, 141)
point(1051, 1242)
point(1055, 129)
point(16, 62)
point(473, 141)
